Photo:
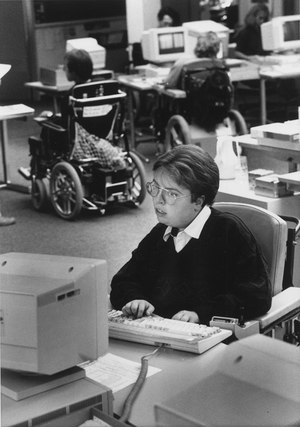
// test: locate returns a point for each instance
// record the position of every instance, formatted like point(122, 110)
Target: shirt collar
point(195, 227)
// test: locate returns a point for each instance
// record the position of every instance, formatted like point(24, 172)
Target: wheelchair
point(183, 125)
point(73, 177)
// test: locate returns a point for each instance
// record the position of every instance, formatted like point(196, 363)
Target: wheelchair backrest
point(209, 91)
point(99, 107)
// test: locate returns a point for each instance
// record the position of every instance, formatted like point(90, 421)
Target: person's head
point(207, 46)
point(257, 15)
point(168, 17)
point(78, 65)
point(185, 179)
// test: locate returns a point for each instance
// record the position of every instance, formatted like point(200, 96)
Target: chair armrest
point(285, 305)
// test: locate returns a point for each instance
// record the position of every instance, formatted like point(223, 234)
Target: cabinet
point(110, 33)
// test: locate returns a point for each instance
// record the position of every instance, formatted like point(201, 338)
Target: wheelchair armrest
point(53, 126)
point(284, 305)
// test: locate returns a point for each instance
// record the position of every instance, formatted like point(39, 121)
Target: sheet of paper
point(115, 372)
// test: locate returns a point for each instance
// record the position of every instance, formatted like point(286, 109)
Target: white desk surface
point(47, 88)
point(179, 371)
point(15, 111)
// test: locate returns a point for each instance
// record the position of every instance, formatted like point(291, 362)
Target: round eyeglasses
point(170, 196)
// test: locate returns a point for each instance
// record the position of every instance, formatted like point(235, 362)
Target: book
point(288, 131)
point(269, 181)
point(257, 173)
point(18, 386)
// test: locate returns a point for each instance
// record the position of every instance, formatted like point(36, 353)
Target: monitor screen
point(170, 43)
point(291, 31)
point(53, 312)
point(162, 45)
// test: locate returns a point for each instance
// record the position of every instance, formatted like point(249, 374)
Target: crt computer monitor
point(53, 312)
point(282, 33)
point(90, 44)
point(162, 45)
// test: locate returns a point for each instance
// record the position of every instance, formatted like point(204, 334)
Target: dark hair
point(193, 168)
point(250, 18)
point(79, 63)
point(208, 45)
point(170, 12)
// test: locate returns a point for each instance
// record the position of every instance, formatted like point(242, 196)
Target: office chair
point(272, 234)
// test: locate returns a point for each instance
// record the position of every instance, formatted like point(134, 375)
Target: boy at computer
point(197, 262)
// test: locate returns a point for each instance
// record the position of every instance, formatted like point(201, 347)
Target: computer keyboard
point(156, 330)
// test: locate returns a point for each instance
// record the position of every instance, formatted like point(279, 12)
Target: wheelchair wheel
point(40, 193)
point(177, 132)
point(137, 182)
point(66, 191)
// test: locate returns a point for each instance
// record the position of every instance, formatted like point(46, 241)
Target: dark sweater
point(216, 274)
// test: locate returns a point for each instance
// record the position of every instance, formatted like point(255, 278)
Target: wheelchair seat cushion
point(88, 146)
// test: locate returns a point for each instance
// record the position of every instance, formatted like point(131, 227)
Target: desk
point(180, 370)
point(9, 112)
point(55, 92)
point(269, 73)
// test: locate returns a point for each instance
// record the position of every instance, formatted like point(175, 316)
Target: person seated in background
point(248, 38)
point(201, 106)
point(207, 47)
point(78, 67)
point(168, 17)
point(197, 262)
point(249, 47)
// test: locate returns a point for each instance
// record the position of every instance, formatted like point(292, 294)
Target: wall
point(13, 50)
point(140, 16)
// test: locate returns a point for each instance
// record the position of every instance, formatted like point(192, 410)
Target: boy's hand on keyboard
point(138, 308)
point(186, 316)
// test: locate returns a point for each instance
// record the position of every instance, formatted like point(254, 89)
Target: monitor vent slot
point(86, 403)
point(48, 417)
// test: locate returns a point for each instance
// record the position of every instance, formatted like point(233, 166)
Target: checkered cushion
point(88, 145)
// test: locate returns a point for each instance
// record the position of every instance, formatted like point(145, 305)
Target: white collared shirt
point(193, 230)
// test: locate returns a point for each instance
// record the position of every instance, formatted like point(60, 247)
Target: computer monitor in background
point(97, 52)
point(282, 33)
point(197, 28)
point(53, 315)
point(163, 45)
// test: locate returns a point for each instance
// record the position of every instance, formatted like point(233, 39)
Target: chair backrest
point(99, 107)
point(270, 232)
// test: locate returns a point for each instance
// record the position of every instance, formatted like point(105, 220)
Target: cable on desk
point(128, 404)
